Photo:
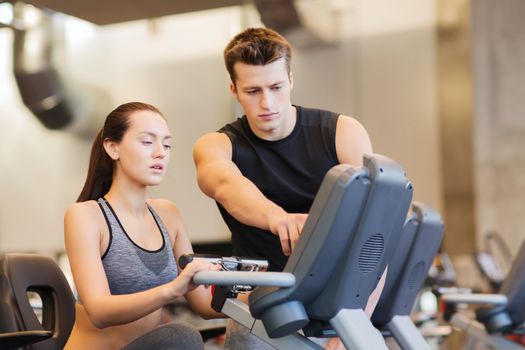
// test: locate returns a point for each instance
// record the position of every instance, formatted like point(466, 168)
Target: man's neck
point(288, 124)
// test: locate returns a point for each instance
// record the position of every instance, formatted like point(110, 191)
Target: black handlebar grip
point(185, 259)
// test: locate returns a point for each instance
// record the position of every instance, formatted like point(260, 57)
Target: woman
point(123, 246)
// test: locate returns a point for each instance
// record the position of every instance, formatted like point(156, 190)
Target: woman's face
point(144, 152)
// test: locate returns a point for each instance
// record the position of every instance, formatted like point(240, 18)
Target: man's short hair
point(256, 46)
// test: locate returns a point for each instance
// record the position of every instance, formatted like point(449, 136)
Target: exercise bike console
point(352, 230)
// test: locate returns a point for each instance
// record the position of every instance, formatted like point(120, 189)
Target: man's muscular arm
point(219, 178)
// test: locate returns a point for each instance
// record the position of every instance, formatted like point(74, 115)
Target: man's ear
point(290, 77)
point(111, 149)
point(233, 90)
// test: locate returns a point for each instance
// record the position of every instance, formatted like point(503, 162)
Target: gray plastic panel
point(323, 239)
point(356, 332)
point(402, 285)
point(406, 334)
point(365, 257)
point(352, 230)
point(396, 265)
point(514, 288)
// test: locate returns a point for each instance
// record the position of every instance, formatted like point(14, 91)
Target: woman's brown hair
point(100, 171)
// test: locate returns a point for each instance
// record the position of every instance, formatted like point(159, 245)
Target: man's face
point(264, 94)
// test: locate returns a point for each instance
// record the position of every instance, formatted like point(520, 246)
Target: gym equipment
point(420, 240)
point(442, 273)
point(19, 325)
point(351, 233)
point(494, 260)
point(505, 317)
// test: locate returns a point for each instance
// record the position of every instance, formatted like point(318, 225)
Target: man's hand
point(335, 344)
point(288, 227)
point(373, 298)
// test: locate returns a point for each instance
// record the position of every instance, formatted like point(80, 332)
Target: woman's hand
point(184, 282)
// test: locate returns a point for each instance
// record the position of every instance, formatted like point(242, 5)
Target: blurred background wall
point(377, 60)
point(498, 50)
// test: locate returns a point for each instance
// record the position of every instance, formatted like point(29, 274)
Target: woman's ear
point(111, 149)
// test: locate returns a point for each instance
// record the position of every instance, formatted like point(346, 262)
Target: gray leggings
point(238, 337)
point(172, 336)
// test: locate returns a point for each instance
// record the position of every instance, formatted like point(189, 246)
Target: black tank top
point(287, 171)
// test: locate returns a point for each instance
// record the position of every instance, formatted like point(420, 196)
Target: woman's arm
point(82, 231)
point(200, 297)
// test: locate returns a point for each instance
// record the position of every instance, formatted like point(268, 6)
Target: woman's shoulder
point(87, 209)
point(84, 219)
point(167, 210)
point(160, 204)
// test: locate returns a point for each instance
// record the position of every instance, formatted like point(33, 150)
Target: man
point(264, 169)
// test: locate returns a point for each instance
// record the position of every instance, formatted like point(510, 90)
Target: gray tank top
point(130, 268)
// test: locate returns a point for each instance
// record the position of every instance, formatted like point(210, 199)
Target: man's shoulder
point(211, 142)
point(235, 130)
point(317, 116)
point(234, 126)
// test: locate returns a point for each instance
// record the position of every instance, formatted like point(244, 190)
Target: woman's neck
point(128, 197)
